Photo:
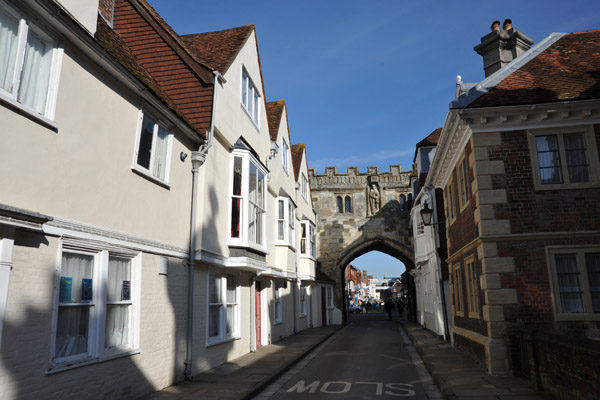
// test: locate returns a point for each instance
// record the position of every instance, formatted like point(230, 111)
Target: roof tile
point(567, 70)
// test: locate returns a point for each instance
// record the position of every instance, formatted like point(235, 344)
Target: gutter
point(198, 159)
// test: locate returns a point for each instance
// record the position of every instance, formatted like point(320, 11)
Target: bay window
point(223, 307)
point(248, 201)
point(97, 313)
point(153, 149)
point(30, 62)
point(308, 245)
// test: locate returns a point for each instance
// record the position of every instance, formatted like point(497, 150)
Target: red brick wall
point(463, 230)
point(545, 210)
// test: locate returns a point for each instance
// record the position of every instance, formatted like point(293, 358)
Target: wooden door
point(257, 316)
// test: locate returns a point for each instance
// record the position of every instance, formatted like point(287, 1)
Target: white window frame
point(148, 172)
point(244, 239)
point(591, 154)
point(329, 297)
point(285, 157)
point(222, 336)
point(308, 245)
point(303, 305)
point(250, 98)
point(25, 25)
point(98, 307)
point(588, 314)
point(277, 304)
point(285, 227)
point(304, 187)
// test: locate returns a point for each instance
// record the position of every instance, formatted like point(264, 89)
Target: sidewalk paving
point(458, 377)
point(246, 376)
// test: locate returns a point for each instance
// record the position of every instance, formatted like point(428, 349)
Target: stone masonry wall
point(341, 237)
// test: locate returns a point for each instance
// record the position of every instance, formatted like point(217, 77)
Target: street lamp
point(426, 214)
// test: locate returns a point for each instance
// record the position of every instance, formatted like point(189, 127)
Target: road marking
point(340, 387)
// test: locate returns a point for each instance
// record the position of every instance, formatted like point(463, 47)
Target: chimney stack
point(498, 48)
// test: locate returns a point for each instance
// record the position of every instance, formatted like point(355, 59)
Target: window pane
point(340, 205)
point(244, 90)
point(72, 331)
point(402, 202)
point(160, 154)
point(577, 164)
point(592, 262)
point(348, 204)
point(117, 326)
point(214, 290)
point(119, 279)
point(261, 190)
point(9, 29)
point(77, 267)
point(35, 75)
point(253, 183)
point(236, 201)
point(145, 147)
point(213, 320)
point(568, 283)
point(231, 311)
point(549, 159)
point(231, 289)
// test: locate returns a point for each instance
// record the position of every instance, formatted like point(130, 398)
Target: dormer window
point(250, 97)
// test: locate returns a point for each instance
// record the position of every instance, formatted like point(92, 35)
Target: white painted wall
point(84, 11)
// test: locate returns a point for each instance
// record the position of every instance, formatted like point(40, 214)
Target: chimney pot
point(495, 26)
point(507, 24)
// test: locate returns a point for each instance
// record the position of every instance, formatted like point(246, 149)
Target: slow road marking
point(340, 387)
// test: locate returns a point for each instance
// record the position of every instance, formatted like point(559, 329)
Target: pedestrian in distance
point(400, 306)
point(389, 306)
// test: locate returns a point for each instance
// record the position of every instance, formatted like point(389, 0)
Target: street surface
point(370, 358)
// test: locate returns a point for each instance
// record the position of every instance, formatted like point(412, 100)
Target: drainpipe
point(198, 159)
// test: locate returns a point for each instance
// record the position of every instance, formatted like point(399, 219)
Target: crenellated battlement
point(395, 177)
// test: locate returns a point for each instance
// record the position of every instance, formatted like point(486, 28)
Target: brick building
point(518, 161)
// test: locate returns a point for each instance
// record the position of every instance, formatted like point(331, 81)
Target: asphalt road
point(370, 358)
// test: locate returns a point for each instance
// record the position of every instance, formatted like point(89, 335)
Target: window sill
point(217, 342)
point(28, 112)
point(307, 257)
point(143, 173)
point(60, 367)
point(577, 317)
point(277, 323)
point(565, 186)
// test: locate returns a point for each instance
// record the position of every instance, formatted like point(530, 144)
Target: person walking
point(389, 306)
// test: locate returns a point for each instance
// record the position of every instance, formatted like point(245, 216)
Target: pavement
point(457, 376)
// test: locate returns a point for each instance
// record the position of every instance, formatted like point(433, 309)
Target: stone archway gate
point(358, 213)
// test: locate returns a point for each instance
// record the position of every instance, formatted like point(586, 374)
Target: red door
point(257, 307)
point(324, 306)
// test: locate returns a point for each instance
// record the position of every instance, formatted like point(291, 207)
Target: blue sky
point(365, 81)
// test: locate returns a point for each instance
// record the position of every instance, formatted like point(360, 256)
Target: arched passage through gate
point(358, 213)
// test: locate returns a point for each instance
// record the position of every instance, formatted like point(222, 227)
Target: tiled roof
point(431, 140)
point(567, 70)
point(297, 152)
point(274, 113)
point(220, 48)
point(115, 46)
point(155, 45)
